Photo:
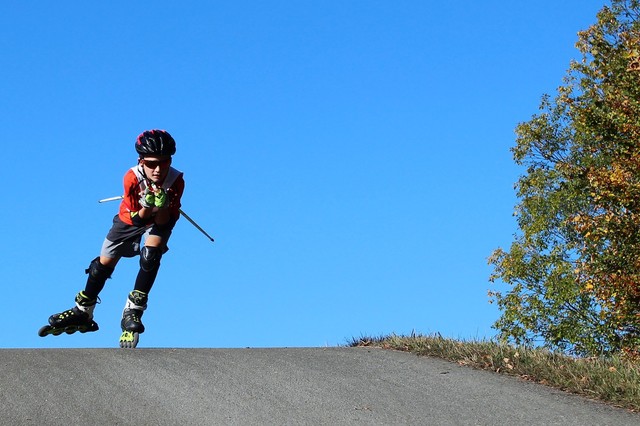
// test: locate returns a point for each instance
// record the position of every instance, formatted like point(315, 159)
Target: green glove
point(148, 199)
point(160, 198)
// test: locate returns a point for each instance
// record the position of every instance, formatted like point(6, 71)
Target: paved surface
point(332, 386)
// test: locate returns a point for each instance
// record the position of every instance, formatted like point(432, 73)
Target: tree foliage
point(573, 270)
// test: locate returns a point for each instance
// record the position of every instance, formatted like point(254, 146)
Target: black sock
point(94, 287)
point(145, 280)
point(98, 276)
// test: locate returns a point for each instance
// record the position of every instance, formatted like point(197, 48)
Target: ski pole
point(104, 200)
point(186, 216)
point(193, 222)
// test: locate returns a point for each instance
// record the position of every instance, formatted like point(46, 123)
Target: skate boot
point(131, 323)
point(79, 318)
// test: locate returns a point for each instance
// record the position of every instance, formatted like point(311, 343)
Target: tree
point(573, 269)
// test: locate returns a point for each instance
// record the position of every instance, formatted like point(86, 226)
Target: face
point(156, 168)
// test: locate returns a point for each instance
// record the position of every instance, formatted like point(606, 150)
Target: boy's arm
point(131, 208)
point(175, 196)
point(171, 213)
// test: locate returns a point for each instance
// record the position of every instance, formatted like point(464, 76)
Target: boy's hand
point(160, 198)
point(148, 199)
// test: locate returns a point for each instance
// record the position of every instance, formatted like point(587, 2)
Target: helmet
point(155, 143)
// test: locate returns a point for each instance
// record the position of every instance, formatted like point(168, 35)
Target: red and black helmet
point(156, 143)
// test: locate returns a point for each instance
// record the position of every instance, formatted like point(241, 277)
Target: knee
point(99, 271)
point(150, 258)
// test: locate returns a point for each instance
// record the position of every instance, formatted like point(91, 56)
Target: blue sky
point(351, 159)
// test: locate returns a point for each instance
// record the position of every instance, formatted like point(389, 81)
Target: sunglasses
point(153, 164)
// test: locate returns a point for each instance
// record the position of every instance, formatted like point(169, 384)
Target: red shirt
point(135, 184)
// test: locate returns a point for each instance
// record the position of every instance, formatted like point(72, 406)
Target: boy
point(150, 207)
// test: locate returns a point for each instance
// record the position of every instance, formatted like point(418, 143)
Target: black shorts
point(123, 240)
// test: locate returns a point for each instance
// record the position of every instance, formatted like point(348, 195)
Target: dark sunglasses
point(154, 164)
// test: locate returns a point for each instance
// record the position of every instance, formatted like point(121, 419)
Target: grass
point(613, 380)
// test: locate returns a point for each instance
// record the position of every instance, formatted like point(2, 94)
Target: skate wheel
point(129, 340)
point(48, 329)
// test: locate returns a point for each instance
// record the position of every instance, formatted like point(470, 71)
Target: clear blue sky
point(351, 159)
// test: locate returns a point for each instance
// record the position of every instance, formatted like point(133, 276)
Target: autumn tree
point(572, 272)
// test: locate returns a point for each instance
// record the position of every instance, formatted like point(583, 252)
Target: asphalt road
point(314, 386)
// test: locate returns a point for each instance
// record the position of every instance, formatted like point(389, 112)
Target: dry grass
point(613, 380)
